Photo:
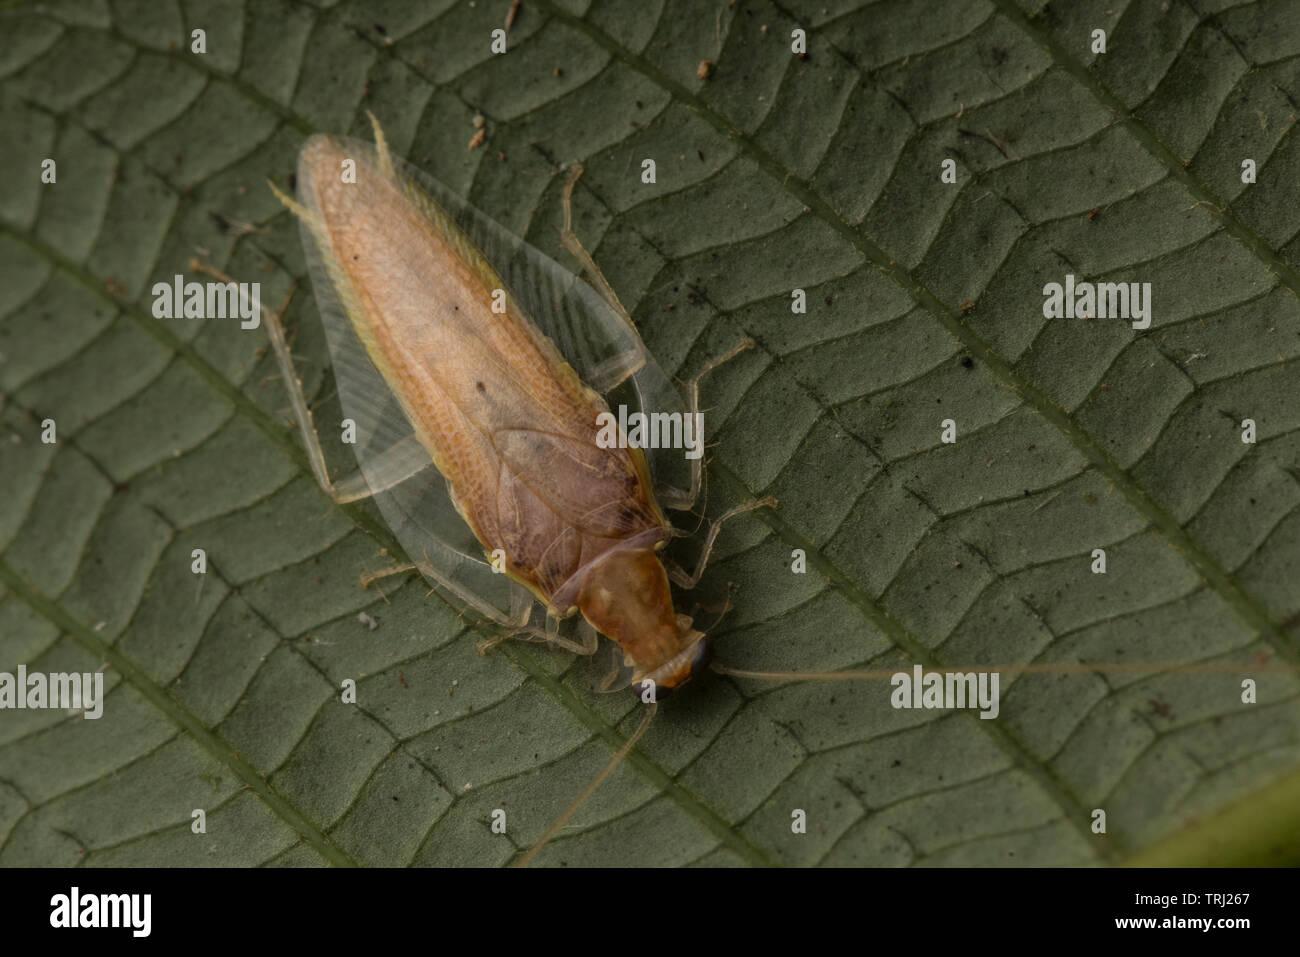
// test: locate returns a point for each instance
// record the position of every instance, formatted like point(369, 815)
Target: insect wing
point(593, 337)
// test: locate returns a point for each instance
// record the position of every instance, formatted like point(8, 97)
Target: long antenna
point(591, 788)
point(1043, 667)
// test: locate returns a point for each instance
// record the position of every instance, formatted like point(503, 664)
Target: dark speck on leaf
point(480, 386)
point(967, 362)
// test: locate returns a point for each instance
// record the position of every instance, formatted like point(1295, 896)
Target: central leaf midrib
point(178, 714)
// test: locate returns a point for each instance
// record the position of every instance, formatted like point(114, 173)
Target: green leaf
point(925, 303)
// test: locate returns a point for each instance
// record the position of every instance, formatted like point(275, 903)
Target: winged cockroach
point(459, 349)
point(457, 345)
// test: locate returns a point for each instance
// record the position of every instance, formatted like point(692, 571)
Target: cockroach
point(458, 348)
point(491, 402)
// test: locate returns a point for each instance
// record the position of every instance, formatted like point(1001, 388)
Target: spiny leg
point(521, 610)
point(674, 498)
point(682, 500)
point(587, 643)
point(617, 368)
point(571, 242)
point(369, 578)
point(679, 499)
point(392, 467)
point(513, 622)
point(685, 579)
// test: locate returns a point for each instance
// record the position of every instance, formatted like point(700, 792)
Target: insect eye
point(703, 655)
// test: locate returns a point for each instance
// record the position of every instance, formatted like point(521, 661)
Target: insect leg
point(369, 578)
point(571, 242)
point(685, 579)
point(682, 499)
point(615, 369)
point(521, 610)
point(521, 604)
point(513, 623)
point(392, 467)
point(588, 641)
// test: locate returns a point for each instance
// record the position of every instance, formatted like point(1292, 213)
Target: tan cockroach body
point(440, 360)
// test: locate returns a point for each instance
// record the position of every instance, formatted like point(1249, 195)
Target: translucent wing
point(563, 313)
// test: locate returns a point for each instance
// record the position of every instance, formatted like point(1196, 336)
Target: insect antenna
point(590, 789)
point(1039, 667)
point(803, 675)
